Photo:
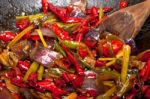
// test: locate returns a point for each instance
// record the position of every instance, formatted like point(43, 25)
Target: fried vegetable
point(126, 57)
point(33, 68)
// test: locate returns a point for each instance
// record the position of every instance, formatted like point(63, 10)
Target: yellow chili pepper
point(126, 56)
point(42, 38)
point(101, 13)
point(33, 68)
point(40, 72)
point(19, 36)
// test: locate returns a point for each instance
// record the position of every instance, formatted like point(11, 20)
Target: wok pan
point(10, 8)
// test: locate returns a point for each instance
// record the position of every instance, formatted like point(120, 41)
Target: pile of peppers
point(56, 55)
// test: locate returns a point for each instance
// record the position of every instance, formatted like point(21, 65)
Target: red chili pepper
point(92, 92)
point(72, 20)
point(27, 35)
point(145, 72)
point(24, 65)
point(123, 4)
point(78, 81)
point(99, 63)
point(146, 91)
point(15, 96)
point(7, 36)
point(51, 87)
point(107, 9)
point(83, 52)
point(66, 77)
point(60, 12)
point(66, 62)
point(79, 70)
point(116, 46)
point(94, 11)
point(81, 32)
point(90, 43)
point(60, 33)
point(45, 6)
point(60, 83)
point(22, 23)
point(82, 97)
point(18, 78)
point(35, 37)
point(105, 50)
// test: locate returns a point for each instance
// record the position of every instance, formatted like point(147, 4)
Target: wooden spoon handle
point(140, 13)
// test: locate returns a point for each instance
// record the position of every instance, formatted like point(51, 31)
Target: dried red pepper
point(7, 36)
point(116, 46)
point(89, 11)
point(123, 4)
point(59, 12)
point(50, 86)
point(145, 72)
point(79, 70)
point(60, 33)
point(45, 6)
point(24, 65)
point(22, 23)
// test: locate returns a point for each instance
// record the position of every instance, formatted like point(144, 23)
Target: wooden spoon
point(127, 22)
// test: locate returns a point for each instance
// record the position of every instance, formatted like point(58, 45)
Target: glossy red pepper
point(60, 33)
point(99, 63)
point(82, 52)
point(22, 23)
point(35, 37)
point(45, 6)
point(146, 91)
point(105, 50)
point(7, 36)
point(59, 12)
point(60, 83)
point(89, 11)
point(123, 4)
point(90, 43)
point(78, 81)
point(65, 76)
point(79, 70)
point(50, 86)
point(72, 20)
point(94, 11)
point(18, 78)
point(24, 65)
point(27, 35)
point(107, 9)
point(116, 46)
point(145, 72)
point(81, 31)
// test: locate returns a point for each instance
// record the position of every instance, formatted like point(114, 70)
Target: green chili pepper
point(31, 17)
point(126, 56)
point(59, 48)
point(40, 72)
point(33, 68)
point(70, 44)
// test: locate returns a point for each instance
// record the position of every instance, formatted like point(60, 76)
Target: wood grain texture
point(128, 22)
